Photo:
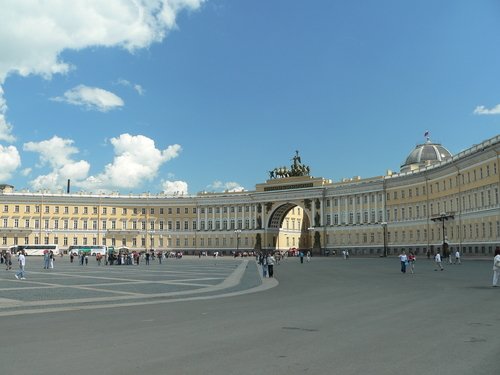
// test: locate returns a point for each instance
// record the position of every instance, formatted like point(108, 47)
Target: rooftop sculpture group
point(296, 169)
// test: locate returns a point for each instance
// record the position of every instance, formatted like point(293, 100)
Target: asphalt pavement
point(195, 316)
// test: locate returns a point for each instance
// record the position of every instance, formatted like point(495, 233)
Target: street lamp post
point(384, 228)
point(237, 231)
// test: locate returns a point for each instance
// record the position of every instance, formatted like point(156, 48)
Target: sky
point(185, 96)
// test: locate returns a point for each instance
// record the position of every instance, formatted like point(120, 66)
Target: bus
point(35, 249)
point(90, 249)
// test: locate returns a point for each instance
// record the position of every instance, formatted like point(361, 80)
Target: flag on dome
point(426, 134)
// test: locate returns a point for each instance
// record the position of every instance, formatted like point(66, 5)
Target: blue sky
point(192, 95)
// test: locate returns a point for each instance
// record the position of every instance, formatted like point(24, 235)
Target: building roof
point(425, 154)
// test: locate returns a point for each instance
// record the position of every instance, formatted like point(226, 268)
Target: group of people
point(267, 261)
point(408, 261)
point(48, 259)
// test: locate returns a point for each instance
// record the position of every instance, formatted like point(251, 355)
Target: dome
point(424, 155)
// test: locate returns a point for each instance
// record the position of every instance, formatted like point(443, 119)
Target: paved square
point(329, 316)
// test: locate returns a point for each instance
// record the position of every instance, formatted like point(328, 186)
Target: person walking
point(8, 260)
point(308, 256)
point(301, 256)
point(264, 266)
point(46, 260)
point(270, 265)
point(22, 263)
point(496, 267)
point(51, 259)
point(411, 261)
point(437, 260)
point(457, 257)
point(404, 260)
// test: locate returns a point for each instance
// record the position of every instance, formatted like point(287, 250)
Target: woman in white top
point(437, 259)
point(496, 266)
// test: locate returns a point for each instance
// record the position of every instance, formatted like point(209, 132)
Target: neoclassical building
point(437, 199)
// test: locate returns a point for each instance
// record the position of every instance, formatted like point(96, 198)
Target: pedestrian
point(411, 261)
point(457, 257)
point(22, 263)
point(86, 259)
point(270, 264)
point(147, 259)
point(308, 256)
point(437, 260)
point(264, 266)
point(51, 259)
point(301, 256)
point(496, 267)
point(404, 261)
point(46, 260)
point(8, 260)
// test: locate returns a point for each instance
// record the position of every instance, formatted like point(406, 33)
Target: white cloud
point(9, 162)
point(175, 187)
point(34, 33)
point(91, 98)
point(26, 171)
point(136, 160)
point(56, 153)
point(138, 88)
point(225, 186)
point(482, 110)
point(5, 127)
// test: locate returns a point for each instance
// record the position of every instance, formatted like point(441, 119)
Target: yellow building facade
point(436, 200)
